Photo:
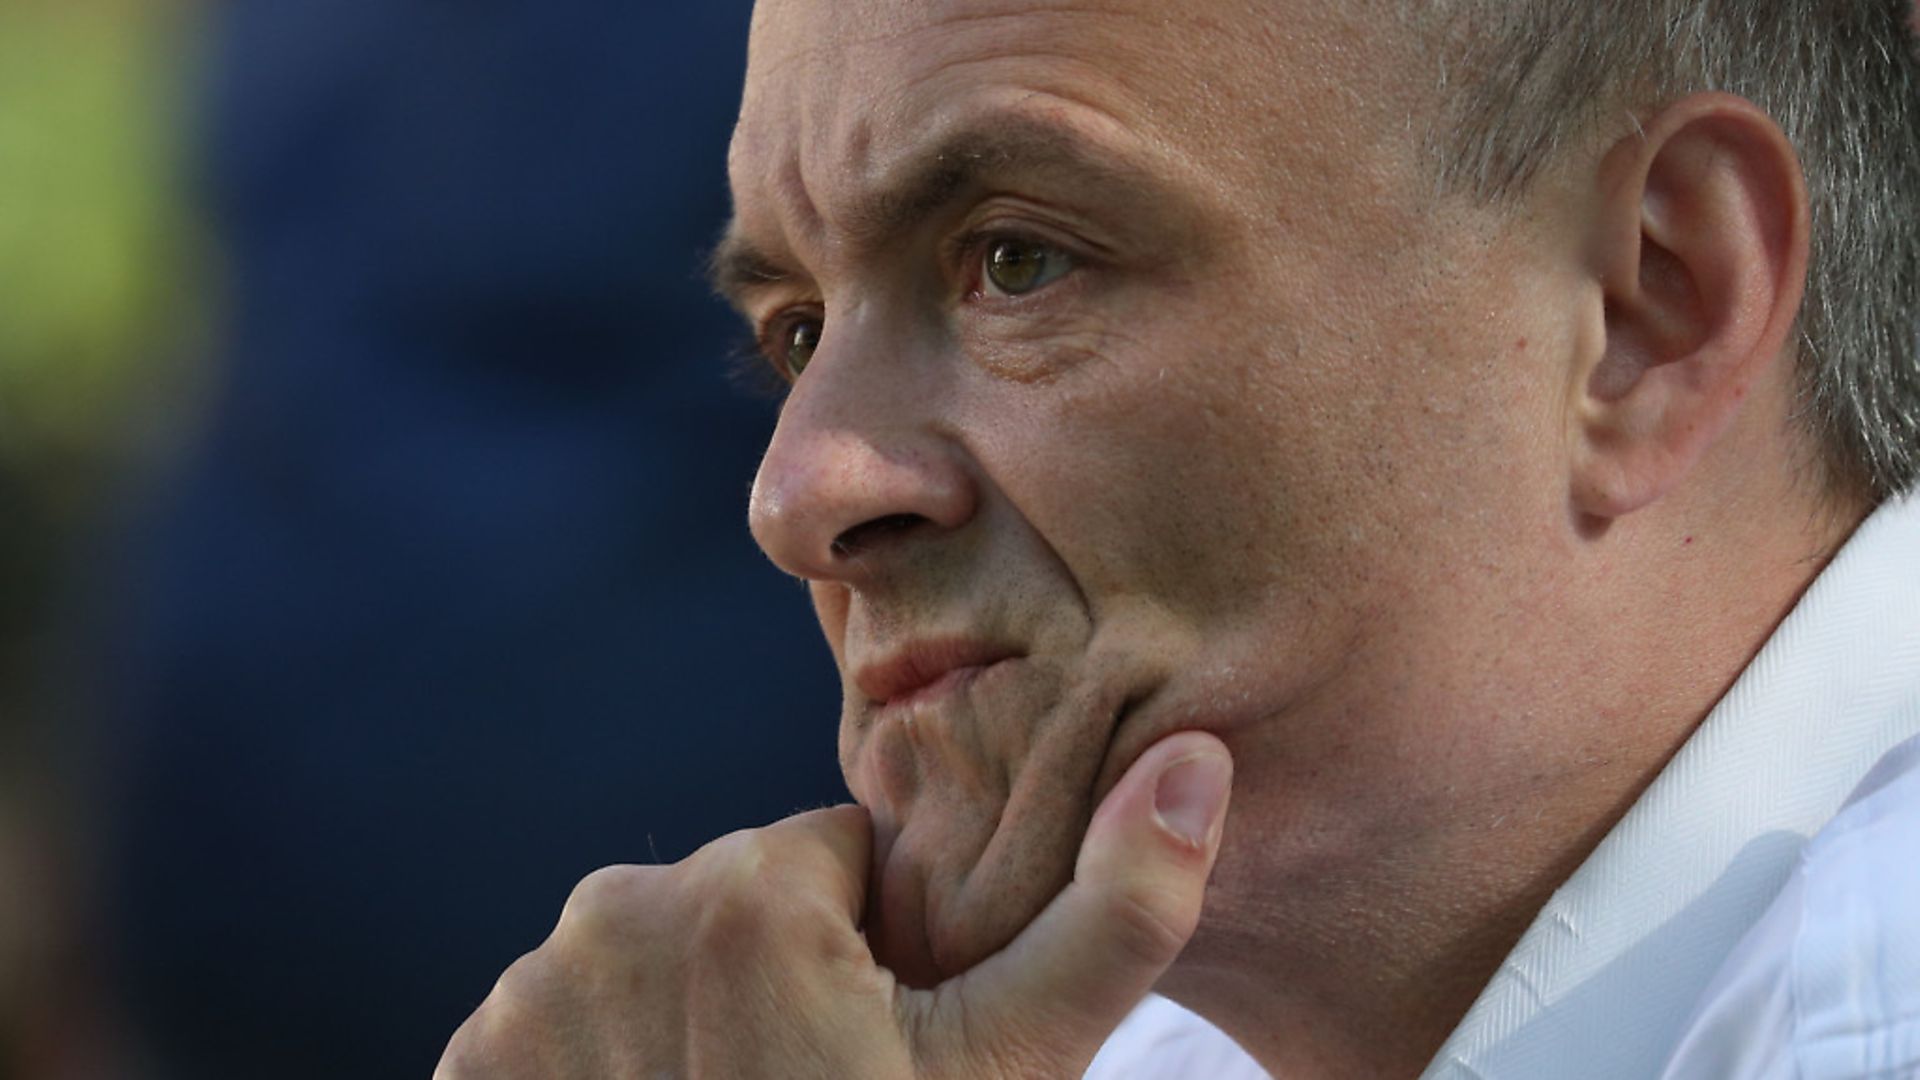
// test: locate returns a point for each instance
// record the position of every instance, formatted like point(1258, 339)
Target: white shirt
point(1623, 968)
point(1161, 1041)
point(1827, 984)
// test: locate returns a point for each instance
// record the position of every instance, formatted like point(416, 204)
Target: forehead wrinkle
point(1158, 18)
point(872, 192)
point(982, 151)
point(741, 264)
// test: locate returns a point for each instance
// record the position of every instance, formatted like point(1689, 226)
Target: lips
point(924, 669)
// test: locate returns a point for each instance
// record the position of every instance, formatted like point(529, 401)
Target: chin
point(937, 909)
point(951, 889)
point(980, 802)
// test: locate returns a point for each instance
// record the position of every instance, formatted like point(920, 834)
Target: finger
point(822, 854)
point(1071, 977)
point(843, 836)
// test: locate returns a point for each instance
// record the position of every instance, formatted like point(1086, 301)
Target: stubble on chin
point(979, 814)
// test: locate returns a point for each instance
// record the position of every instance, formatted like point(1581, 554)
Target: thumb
point(1062, 987)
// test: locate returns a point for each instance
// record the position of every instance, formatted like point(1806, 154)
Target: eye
point(1016, 267)
point(798, 341)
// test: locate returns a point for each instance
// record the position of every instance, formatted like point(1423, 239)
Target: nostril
point(864, 535)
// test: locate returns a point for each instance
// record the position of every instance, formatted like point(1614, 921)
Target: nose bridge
point(858, 460)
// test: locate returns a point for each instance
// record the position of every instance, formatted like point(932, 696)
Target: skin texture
point(746, 959)
point(1449, 522)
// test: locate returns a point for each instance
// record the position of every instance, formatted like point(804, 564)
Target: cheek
point(1173, 472)
point(1051, 337)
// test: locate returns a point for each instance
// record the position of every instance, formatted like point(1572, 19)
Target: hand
point(746, 960)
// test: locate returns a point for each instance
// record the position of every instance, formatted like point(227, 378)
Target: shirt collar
point(1601, 983)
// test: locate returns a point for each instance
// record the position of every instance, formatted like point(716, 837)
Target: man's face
point(1146, 388)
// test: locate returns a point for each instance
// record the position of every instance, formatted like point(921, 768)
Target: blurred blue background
point(445, 597)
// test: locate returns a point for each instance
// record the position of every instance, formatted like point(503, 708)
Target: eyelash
point(777, 333)
point(752, 366)
point(969, 251)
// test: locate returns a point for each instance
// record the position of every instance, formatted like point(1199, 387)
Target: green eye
point(1017, 267)
point(802, 340)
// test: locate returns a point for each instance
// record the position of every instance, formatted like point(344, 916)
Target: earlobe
point(1699, 240)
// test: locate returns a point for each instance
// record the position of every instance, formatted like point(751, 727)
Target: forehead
point(829, 41)
point(848, 82)
point(839, 92)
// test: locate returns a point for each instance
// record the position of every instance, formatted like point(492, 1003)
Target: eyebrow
point(930, 182)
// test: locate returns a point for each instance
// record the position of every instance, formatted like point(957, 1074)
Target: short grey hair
point(1522, 80)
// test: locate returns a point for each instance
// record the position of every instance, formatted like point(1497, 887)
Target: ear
point(1699, 239)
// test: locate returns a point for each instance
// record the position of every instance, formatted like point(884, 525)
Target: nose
point(858, 466)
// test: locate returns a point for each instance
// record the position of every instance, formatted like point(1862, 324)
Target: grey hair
point(1523, 80)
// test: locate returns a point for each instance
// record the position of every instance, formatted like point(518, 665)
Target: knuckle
point(1142, 926)
point(757, 892)
point(735, 868)
point(605, 898)
point(524, 981)
point(767, 858)
point(609, 886)
point(751, 893)
point(733, 921)
point(736, 860)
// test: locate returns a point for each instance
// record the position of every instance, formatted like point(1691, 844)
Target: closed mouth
point(923, 671)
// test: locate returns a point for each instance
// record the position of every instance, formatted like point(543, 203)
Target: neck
point(1335, 948)
point(1368, 976)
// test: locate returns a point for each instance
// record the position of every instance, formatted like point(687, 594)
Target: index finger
point(827, 851)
